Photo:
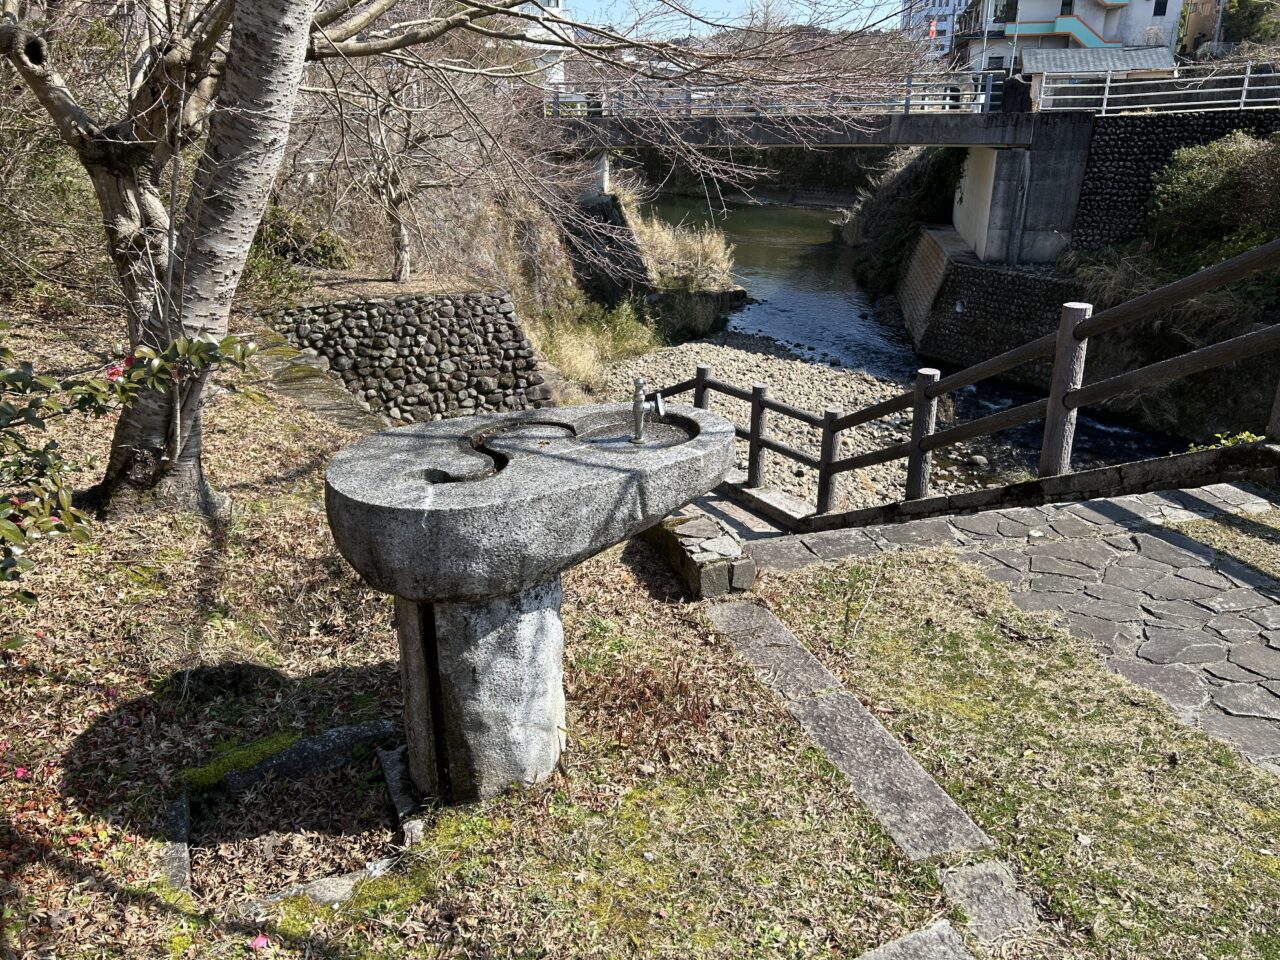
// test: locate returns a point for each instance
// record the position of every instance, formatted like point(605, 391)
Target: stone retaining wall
point(1126, 151)
point(424, 357)
point(980, 311)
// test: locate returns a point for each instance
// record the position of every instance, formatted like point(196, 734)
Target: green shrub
point(284, 242)
point(1226, 440)
point(1210, 203)
point(1216, 200)
point(292, 238)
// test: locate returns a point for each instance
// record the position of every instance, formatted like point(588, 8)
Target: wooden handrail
point(1067, 346)
point(993, 423)
point(871, 458)
point(1001, 363)
point(794, 413)
point(882, 409)
point(790, 453)
point(1206, 358)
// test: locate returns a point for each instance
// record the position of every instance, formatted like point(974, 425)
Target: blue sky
point(622, 11)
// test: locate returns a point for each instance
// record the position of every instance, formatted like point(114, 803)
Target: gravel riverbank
point(744, 360)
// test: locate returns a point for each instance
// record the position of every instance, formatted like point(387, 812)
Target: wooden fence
point(1067, 392)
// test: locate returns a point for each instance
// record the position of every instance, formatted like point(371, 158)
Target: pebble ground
point(743, 360)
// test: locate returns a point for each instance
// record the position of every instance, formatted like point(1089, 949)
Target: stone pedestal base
point(483, 692)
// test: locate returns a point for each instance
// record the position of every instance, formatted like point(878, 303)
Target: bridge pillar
point(599, 187)
point(1018, 205)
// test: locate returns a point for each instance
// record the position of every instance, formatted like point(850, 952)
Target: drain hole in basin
point(472, 466)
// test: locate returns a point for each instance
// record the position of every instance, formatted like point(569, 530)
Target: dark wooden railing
point(1067, 392)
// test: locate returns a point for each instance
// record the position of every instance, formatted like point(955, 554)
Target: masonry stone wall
point(982, 311)
point(1127, 151)
point(424, 357)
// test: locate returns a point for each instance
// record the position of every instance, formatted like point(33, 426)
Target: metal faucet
point(640, 406)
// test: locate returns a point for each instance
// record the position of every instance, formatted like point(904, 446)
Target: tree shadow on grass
point(126, 768)
point(197, 724)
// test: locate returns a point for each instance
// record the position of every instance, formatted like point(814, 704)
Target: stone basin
point(468, 523)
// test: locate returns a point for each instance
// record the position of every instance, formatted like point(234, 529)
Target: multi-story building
point(990, 34)
point(932, 22)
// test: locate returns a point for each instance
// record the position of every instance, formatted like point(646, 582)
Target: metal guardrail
point(1238, 86)
point(914, 93)
point(1067, 393)
point(1233, 86)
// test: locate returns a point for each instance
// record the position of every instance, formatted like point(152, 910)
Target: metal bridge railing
point(915, 93)
point(1237, 86)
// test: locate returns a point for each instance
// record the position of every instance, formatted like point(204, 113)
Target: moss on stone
point(210, 776)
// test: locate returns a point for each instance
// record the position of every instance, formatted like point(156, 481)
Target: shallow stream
point(805, 298)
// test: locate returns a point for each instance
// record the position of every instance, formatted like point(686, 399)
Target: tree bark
point(401, 257)
point(157, 439)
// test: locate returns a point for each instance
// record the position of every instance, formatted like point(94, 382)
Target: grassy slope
point(1144, 838)
point(692, 819)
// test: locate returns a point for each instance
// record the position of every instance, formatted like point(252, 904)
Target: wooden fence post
point(700, 386)
point(755, 452)
point(826, 457)
point(1068, 375)
point(924, 417)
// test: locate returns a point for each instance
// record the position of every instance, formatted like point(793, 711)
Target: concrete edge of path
point(911, 806)
point(936, 942)
point(908, 803)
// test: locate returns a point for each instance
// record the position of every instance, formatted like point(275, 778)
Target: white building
point(932, 22)
point(992, 34)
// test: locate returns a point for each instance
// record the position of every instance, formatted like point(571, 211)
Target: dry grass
point(683, 257)
point(583, 340)
point(1143, 837)
point(1253, 540)
point(693, 820)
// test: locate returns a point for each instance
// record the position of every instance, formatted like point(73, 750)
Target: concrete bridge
point(1026, 167)
point(919, 129)
point(1020, 188)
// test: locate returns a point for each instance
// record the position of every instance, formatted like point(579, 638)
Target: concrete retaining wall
point(424, 357)
point(977, 310)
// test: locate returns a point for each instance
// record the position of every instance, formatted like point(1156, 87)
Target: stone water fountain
point(469, 523)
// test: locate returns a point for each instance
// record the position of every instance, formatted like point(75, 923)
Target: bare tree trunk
point(157, 440)
point(136, 222)
point(401, 256)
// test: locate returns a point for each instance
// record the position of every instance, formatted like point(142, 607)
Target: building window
point(995, 63)
point(1162, 7)
point(1068, 8)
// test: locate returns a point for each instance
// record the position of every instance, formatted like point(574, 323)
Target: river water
point(806, 299)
